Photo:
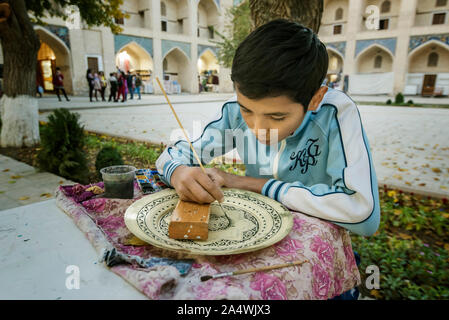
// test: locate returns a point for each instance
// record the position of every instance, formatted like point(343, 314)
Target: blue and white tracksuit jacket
point(324, 169)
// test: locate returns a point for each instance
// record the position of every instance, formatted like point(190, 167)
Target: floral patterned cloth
point(330, 271)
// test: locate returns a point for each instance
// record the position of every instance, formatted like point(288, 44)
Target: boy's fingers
point(199, 193)
point(210, 186)
point(186, 195)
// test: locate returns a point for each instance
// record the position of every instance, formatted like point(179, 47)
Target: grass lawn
point(410, 248)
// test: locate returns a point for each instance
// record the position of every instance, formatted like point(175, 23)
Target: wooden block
point(189, 220)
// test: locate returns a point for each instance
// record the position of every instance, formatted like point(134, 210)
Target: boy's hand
point(192, 184)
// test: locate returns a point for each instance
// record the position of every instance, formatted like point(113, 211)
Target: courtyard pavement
point(21, 184)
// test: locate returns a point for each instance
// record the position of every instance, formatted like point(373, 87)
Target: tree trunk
point(305, 12)
point(18, 106)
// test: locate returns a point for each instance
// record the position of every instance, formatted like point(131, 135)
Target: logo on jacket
point(307, 156)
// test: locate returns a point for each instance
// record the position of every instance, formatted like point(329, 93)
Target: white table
point(37, 244)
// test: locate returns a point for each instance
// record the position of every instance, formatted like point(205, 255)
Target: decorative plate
point(255, 222)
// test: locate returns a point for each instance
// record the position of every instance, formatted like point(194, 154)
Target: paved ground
point(50, 102)
point(21, 184)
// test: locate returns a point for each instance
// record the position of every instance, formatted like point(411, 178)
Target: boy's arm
point(212, 143)
point(352, 201)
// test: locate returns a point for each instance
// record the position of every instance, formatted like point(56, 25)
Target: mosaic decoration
point(121, 40)
point(338, 46)
point(416, 41)
point(167, 45)
point(389, 44)
point(254, 222)
point(203, 48)
point(61, 32)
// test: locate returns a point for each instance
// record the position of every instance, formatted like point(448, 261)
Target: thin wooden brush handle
point(278, 266)
point(180, 125)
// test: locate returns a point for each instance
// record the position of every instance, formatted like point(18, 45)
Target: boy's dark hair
point(280, 58)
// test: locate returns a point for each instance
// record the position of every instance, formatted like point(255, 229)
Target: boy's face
point(271, 113)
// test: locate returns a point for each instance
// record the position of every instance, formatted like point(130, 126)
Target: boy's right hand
point(192, 184)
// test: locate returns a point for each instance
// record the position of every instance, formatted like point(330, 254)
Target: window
point(378, 62)
point(386, 7)
point(165, 65)
point(163, 9)
point(198, 32)
point(337, 29)
point(439, 18)
point(441, 3)
point(211, 32)
point(383, 24)
point(119, 21)
point(432, 60)
point(180, 25)
point(339, 14)
point(164, 25)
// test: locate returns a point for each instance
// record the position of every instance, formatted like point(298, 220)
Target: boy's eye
point(277, 119)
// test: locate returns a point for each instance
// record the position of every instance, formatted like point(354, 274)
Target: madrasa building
point(406, 50)
point(170, 39)
point(375, 47)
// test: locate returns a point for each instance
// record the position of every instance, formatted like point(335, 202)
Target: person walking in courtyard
point(121, 82)
point(97, 85)
point(104, 84)
point(138, 84)
point(58, 83)
point(112, 87)
point(90, 82)
point(129, 82)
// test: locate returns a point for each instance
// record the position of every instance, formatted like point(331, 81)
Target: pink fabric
point(331, 269)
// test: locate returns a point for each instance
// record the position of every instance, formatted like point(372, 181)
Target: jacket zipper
point(276, 160)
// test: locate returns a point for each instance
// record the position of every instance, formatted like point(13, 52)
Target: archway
point(53, 53)
point(335, 68)
point(208, 72)
point(375, 59)
point(176, 71)
point(428, 70)
point(208, 19)
point(374, 75)
point(175, 16)
point(135, 59)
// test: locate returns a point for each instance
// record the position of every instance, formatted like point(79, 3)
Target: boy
point(319, 163)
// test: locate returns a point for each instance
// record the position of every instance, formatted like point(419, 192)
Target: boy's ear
point(316, 99)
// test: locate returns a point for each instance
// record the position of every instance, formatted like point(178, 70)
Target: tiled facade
point(177, 31)
point(172, 38)
point(410, 49)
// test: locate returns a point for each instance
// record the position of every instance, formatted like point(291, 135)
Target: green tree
point(20, 45)
point(250, 14)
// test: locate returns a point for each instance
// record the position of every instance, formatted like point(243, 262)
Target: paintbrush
point(234, 273)
point(187, 138)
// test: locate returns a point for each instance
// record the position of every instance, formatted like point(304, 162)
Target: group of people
point(120, 85)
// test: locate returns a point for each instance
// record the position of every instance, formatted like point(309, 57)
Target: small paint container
point(119, 181)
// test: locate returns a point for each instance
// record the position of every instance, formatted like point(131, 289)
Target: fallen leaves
point(16, 177)
point(24, 198)
point(436, 170)
point(48, 195)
